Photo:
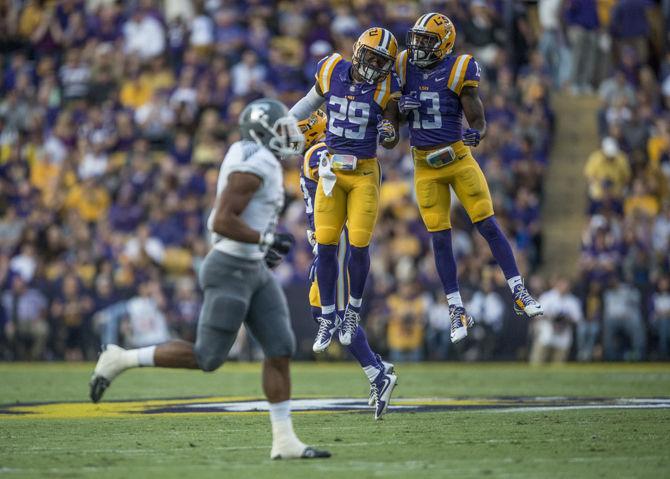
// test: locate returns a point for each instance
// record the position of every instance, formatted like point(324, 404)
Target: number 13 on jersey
point(433, 118)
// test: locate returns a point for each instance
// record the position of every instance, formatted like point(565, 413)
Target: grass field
point(460, 440)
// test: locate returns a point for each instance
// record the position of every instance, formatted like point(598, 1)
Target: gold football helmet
point(313, 127)
point(374, 54)
point(430, 39)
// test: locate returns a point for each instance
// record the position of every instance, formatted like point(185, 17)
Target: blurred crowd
point(622, 308)
point(114, 117)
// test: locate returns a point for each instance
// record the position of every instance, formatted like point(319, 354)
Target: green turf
point(575, 444)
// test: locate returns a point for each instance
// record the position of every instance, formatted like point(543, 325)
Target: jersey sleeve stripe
point(461, 76)
point(455, 76)
point(306, 170)
point(401, 67)
point(381, 95)
point(327, 72)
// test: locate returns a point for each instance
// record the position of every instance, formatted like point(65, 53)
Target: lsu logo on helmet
point(430, 39)
point(375, 52)
point(313, 128)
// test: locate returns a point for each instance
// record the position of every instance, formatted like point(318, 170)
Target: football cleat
point(349, 326)
point(325, 334)
point(382, 388)
point(110, 364)
point(525, 303)
point(307, 453)
point(460, 322)
point(389, 368)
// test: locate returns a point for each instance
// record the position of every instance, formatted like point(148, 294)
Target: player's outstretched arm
point(474, 113)
point(231, 203)
point(307, 104)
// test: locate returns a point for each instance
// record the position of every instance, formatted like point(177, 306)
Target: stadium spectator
point(583, 24)
point(660, 314)
point(622, 317)
point(406, 323)
point(553, 332)
point(26, 326)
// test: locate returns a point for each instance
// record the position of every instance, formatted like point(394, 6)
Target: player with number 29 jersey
point(362, 113)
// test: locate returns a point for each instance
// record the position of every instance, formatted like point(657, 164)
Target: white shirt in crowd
point(147, 322)
point(549, 12)
point(145, 37)
point(556, 304)
point(487, 308)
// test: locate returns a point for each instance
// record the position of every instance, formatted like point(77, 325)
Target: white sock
point(371, 372)
point(454, 299)
point(284, 440)
point(145, 356)
point(513, 282)
point(355, 302)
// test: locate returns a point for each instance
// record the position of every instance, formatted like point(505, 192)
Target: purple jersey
point(352, 108)
point(440, 117)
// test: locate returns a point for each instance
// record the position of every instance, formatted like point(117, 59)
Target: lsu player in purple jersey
point(438, 88)
point(361, 114)
point(376, 370)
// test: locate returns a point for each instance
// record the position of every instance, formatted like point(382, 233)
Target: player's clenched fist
point(385, 129)
point(407, 103)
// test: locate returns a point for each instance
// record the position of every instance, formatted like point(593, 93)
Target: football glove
point(408, 103)
point(471, 137)
point(385, 129)
point(272, 258)
point(280, 242)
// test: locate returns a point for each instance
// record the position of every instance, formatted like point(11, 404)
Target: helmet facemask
point(285, 138)
point(372, 65)
point(424, 48)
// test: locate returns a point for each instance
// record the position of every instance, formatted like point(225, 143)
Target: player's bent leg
point(472, 189)
point(115, 359)
point(524, 303)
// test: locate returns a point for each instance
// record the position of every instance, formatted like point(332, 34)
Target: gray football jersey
point(262, 212)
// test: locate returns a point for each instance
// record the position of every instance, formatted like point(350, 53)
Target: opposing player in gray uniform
point(238, 286)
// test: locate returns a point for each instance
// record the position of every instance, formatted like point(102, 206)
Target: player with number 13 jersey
point(438, 89)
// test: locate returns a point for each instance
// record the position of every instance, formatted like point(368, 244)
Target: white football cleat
point(525, 303)
point(112, 362)
point(460, 322)
point(325, 334)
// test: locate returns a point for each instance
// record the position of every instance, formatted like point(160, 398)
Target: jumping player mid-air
point(237, 285)
point(437, 89)
point(360, 114)
point(376, 370)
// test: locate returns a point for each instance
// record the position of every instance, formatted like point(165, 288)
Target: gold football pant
point(432, 187)
point(355, 200)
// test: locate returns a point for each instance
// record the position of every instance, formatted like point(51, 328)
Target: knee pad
point(360, 238)
point(283, 346)
point(327, 235)
point(207, 359)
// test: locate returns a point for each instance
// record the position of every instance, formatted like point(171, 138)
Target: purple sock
point(445, 261)
point(326, 273)
point(500, 247)
point(359, 266)
point(360, 349)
